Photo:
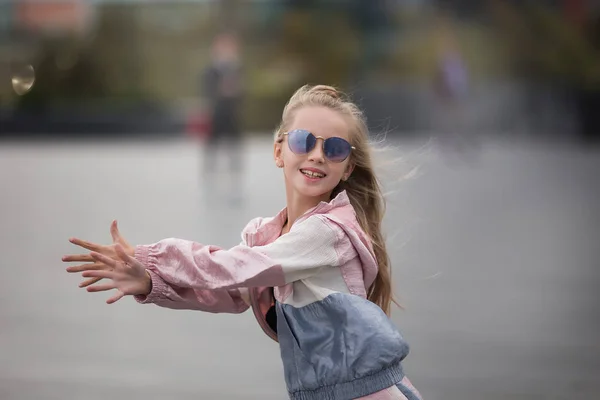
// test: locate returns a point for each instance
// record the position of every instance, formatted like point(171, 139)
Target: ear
point(278, 155)
point(348, 171)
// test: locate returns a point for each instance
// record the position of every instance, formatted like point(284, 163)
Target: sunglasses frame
point(323, 145)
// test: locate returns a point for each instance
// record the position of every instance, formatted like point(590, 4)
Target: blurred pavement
point(495, 259)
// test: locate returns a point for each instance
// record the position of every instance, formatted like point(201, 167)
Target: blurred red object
point(199, 125)
point(60, 16)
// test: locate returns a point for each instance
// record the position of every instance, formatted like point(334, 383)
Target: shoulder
point(312, 242)
point(319, 226)
point(343, 218)
point(255, 223)
point(320, 234)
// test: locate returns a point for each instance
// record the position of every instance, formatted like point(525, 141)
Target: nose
point(316, 155)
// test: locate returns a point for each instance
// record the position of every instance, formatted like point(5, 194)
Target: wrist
point(147, 283)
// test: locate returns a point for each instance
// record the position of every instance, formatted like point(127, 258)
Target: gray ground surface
point(496, 262)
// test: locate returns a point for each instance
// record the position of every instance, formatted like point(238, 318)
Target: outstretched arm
point(170, 296)
point(178, 273)
point(308, 247)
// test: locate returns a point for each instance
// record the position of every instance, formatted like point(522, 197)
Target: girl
point(316, 275)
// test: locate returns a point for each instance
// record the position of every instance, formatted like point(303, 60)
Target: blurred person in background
point(222, 92)
point(451, 91)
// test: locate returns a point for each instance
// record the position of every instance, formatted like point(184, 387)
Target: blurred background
point(530, 67)
point(160, 114)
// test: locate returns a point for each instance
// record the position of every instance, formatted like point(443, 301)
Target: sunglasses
point(335, 149)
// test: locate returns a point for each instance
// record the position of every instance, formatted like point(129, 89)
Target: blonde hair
point(363, 188)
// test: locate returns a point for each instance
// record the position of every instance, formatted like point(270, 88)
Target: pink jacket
point(319, 271)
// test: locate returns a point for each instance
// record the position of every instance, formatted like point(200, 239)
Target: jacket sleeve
point(180, 298)
point(181, 264)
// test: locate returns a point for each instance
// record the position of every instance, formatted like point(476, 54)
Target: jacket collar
point(267, 230)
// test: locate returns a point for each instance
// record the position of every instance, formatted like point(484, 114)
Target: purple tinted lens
point(337, 149)
point(301, 142)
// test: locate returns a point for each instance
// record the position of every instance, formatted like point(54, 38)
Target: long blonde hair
point(363, 187)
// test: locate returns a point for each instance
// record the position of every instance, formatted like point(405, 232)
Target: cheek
point(290, 166)
point(337, 171)
point(290, 160)
point(288, 169)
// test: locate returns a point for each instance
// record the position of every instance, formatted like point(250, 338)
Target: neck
point(297, 205)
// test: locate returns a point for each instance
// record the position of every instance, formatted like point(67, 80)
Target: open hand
point(107, 250)
point(127, 275)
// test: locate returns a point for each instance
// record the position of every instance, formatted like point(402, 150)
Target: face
point(313, 175)
point(225, 48)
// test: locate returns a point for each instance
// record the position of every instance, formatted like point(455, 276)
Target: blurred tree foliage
point(93, 72)
point(544, 45)
point(65, 74)
point(156, 52)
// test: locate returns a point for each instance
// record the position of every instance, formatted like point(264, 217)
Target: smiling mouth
point(313, 174)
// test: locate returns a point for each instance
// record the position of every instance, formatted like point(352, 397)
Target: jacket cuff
point(141, 254)
point(158, 293)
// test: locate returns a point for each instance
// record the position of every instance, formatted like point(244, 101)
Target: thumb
point(114, 231)
point(116, 235)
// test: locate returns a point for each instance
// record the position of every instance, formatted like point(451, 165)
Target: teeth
point(312, 174)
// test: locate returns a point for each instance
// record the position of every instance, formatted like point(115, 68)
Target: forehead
point(321, 121)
